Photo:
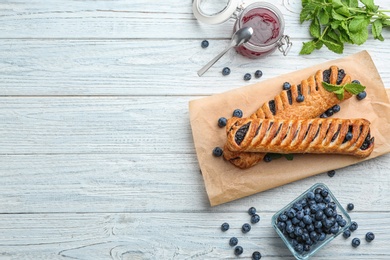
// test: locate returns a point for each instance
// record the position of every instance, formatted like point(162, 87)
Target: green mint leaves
point(353, 88)
point(336, 22)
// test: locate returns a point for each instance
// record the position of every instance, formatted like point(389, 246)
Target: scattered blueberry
point(246, 228)
point(300, 98)
point(267, 158)
point(233, 241)
point(258, 74)
point(225, 71)
point(323, 115)
point(237, 113)
point(222, 122)
point(329, 112)
point(331, 173)
point(255, 219)
point(353, 226)
point(238, 250)
point(217, 151)
point(361, 95)
point(256, 255)
point(205, 44)
point(348, 136)
point(356, 81)
point(224, 227)
point(336, 108)
point(347, 233)
point(370, 236)
point(252, 211)
point(355, 242)
point(286, 86)
point(247, 76)
point(350, 206)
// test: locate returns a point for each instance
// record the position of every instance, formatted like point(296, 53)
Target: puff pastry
point(316, 101)
point(318, 135)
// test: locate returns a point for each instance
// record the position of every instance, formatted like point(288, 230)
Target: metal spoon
point(239, 37)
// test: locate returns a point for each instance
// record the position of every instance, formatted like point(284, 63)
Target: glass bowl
point(303, 243)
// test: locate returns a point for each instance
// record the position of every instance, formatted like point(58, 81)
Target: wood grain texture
point(96, 153)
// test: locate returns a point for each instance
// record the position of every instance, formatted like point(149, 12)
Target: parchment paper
point(224, 182)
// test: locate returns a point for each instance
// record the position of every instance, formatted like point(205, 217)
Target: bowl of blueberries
point(311, 221)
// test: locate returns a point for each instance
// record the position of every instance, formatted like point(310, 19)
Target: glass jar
point(265, 19)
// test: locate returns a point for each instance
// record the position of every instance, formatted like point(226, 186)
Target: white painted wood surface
point(96, 152)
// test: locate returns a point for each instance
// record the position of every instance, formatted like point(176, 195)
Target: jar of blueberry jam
point(265, 19)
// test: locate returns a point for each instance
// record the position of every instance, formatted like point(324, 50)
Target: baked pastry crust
point(284, 106)
point(318, 135)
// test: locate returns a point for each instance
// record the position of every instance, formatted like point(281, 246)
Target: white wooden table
point(97, 158)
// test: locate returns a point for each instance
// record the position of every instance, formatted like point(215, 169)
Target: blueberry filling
point(367, 142)
point(289, 96)
point(318, 131)
point(277, 132)
point(326, 76)
point(258, 129)
point(307, 131)
point(299, 89)
point(349, 135)
point(336, 134)
point(272, 106)
point(340, 76)
point(270, 125)
point(240, 134)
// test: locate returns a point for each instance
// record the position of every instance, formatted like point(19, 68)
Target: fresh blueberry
point(224, 227)
point(342, 222)
point(361, 95)
point(318, 224)
point(298, 231)
point(281, 225)
point(238, 250)
point(286, 86)
point(328, 212)
point(300, 215)
point(370, 236)
point(334, 229)
point(283, 217)
point(267, 158)
point(306, 247)
point(356, 81)
point(258, 74)
point(245, 228)
point(255, 219)
point(347, 233)
point(331, 173)
point(314, 208)
point(323, 115)
point(348, 136)
point(256, 255)
point(247, 76)
point(297, 206)
point(310, 195)
point(322, 236)
point(350, 206)
point(217, 151)
point(318, 198)
point(329, 112)
point(336, 108)
point(252, 211)
point(222, 121)
point(353, 226)
point(307, 220)
point(324, 193)
point(300, 98)
point(291, 213)
point(295, 221)
point(205, 44)
point(237, 113)
point(233, 241)
point(290, 228)
point(355, 242)
point(226, 71)
point(319, 215)
point(299, 248)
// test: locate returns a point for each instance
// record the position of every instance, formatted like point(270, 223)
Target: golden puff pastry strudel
point(285, 105)
point(318, 135)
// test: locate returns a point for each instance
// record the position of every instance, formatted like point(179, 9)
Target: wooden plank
point(143, 67)
point(172, 183)
point(155, 235)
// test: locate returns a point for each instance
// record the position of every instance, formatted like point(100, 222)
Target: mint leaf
point(358, 24)
point(343, 11)
point(315, 28)
point(359, 37)
point(377, 30)
point(369, 5)
point(308, 47)
point(274, 155)
point(336, 47)
point(323, 16)
point(331, 88)
point(289, 157)
point(337, 16)
point(339, 93)
point(354, 88)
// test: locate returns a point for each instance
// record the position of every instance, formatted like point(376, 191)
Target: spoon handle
point(211, 63)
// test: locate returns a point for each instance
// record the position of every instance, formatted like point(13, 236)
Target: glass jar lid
point(214, 12)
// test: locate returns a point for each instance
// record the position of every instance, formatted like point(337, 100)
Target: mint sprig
point(336, 22)
point(339, 90)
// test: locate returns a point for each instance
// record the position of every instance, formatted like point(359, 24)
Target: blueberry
point(342, 222)
point(334, 229)
point(355, 242)
point(290, 228)
point(306, 247)
point(299, 215)
point(347, 233)
point(286, 86)
point(331, 173)
point(281, 225)
point(226, 71)
point(258, 74)
point(247, 76)
point(310, 195)
point(267, 158)
point(237, 113)
point(233, 241)
point(298, 231)
point(256, 255)
point(318, 224)
point(324, 193)
point(319, 215)
point(318, 198)
point(350, 206)
point(322, 236)
point(328, 212)
point(245, 228)
point(217, 151)
point(314, 208)
point(255, 219)
point(205, 44)
point(336, 108)
point(307, 220)
point(300, 98)
point(370, 236)
point(238, 250)
point(329, 112)
point(224, 227)
point(222, 121)
point(348, 136)
point(323, 115)
point(291, 213)
point(356, 81)
point(297, 206)
point(299, 248)
point(283, 217)
point(252, 211)
point(353, 226)
point(361, 95)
